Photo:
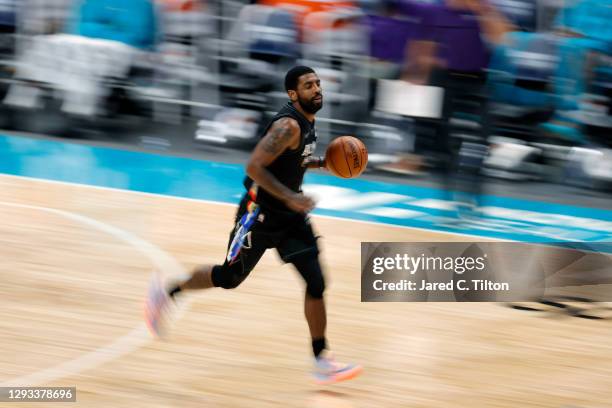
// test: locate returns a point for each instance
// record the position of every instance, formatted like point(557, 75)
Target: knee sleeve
point(313, 276)
point(228, 276)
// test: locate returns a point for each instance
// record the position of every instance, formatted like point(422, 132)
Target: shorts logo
point(242, 234)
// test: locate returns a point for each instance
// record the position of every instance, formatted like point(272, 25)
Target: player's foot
point(157, 306)
point(329, 371)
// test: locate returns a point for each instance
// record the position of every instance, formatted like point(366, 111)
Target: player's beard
point(310, 105)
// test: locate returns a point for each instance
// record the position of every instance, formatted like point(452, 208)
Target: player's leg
point(300, 249)
point(245, 249)
point(327, 370)
point(316, 316)
point(227, 276)
point(234, 270)
point(314, 303)
point(201, 278)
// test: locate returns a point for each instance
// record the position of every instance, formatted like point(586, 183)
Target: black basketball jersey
point(287, 168)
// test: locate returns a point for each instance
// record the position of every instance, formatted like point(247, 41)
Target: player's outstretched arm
point(283, 134)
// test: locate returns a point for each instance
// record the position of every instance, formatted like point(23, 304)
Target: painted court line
point(126, 344)
point(235, 205)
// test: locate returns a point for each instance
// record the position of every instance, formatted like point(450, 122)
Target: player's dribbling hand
point(301, 203)
point(311, 162)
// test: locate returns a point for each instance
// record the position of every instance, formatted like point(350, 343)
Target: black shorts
point(289, 233)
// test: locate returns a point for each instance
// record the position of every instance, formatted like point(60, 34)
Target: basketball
point(346, 157)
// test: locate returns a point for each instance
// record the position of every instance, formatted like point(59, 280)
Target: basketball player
point(274, 214)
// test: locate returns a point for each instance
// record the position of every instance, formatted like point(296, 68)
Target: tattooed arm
point(284, 134)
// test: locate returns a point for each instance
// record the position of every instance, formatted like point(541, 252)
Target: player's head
point(304, 87)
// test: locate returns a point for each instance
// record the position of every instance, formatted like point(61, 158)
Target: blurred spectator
point(452, 52)
point(455, 37)
point(586, 18)
point(584, 31)
point(132, 22)
point(390, 31)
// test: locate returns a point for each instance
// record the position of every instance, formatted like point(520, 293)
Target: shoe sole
point(151, 321)
point(345, 376)
point(154, 314)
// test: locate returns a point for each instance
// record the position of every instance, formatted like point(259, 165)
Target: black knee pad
point(316, 287)
point(227, 276)
point(310, 270)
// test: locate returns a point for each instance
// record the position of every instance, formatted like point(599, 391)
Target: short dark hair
point(294, 74)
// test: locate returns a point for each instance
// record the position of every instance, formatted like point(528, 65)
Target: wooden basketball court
point(76, 262)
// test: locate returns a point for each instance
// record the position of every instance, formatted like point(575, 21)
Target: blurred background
point(458, 101)
point(525, 101)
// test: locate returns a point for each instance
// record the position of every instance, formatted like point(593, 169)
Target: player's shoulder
point(286, 124)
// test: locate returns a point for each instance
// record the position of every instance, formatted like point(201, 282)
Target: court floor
point(76, 261)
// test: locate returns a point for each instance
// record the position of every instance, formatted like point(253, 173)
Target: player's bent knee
point(316, 288)
point(310, 269)
point(226, 277)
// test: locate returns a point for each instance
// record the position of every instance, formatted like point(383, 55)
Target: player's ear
point(292, 95)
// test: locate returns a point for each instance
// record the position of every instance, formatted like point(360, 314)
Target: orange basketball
point(346, 157)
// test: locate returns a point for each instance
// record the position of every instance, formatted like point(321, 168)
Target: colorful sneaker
point(157, 307)
point(328, 371)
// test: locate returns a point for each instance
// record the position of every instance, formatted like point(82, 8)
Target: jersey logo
point(309, 149)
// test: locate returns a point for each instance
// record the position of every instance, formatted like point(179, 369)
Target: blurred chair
point(8, 35)
point(261, 45)
point(336, 45)
point(261, 41)
point(591, 165)
point(520, 81)
point(131, 22)
point(81, 69)
point(38, 17)
point(549, 80)
point(302, 8)
point(8, 26)
point(172, 77)
point(522, 13)
point(584, 32)
point(547, 12)
point(335, 36)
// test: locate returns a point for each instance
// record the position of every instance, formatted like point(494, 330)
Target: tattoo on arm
point(278, 138)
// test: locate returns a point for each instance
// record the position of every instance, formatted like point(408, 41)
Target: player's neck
point(309, 116)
